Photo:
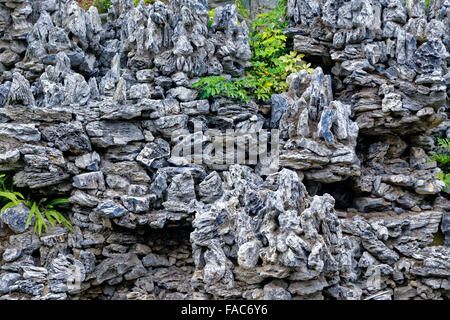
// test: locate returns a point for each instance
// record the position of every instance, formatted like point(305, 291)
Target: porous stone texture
point(355, 210)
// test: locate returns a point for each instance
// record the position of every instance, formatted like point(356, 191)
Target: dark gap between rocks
point(341, 191)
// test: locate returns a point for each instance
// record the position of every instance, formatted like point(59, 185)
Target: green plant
point(41, 208)
point(6, 187)
point(10, 198)
point(219, 86)
point(38, 209)
point(102, 5)
point(147, 2)
point(5, 182)
point(271, 60)
point(242, 10)
point(444, 177)
point(443, 160)
point(211, 16)
point(444, 142)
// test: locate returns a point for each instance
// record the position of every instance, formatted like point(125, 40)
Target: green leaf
point(12, 196)
point(444, 142)
point(58, 201)
point(41, 201)
point(32, 214)
point(60, 218)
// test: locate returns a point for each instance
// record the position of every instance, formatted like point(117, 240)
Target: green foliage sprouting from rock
point(38, 209)
point(102, 5)
point(147, 2)
point(271, 61)
point(242, 10)
point(211, 16)
point(443, 160)
point(7, 195)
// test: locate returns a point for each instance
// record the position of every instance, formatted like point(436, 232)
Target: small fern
point(444, 178)
point(12, 199)
point(444, 142)
point(38, 209)
point(442, 158)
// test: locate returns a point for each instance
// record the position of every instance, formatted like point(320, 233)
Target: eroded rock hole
point(341, 191)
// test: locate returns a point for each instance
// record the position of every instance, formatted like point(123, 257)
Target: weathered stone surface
point(110, 209)
point(9, 160)
point(153, 151)
point(272, 291)
point(88, 161)
point(248, 254)
point(20, 91)
point(180, 193)
point(7, 280)
point(21, 132)
point(210, 189)
point(12, 254)
point(68, 137)
point(83, 199)
point(445, 226)
point(115, 267)
point(308, 126)
point(137, 204)
point(43, 166)
point(16, 218)
point(90, 180)
point(88, 109)
point(106, 134)
point(153, 260)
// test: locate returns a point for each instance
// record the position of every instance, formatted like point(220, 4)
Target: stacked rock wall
point(389, 62)
point(88, 109)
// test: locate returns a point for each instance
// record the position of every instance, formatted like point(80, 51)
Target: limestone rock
point(16, 218)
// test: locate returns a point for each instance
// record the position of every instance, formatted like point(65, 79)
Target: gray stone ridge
point(88, 108)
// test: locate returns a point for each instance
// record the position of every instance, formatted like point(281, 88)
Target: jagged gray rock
point(88, 109)
point(16, 218)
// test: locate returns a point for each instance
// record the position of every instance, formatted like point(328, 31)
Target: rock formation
point(88, 109)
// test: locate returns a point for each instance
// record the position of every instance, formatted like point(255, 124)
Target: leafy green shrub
point(271, 61)
point(242, 10)
point(219, 86)
point(38, 209)
point(443, 160)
